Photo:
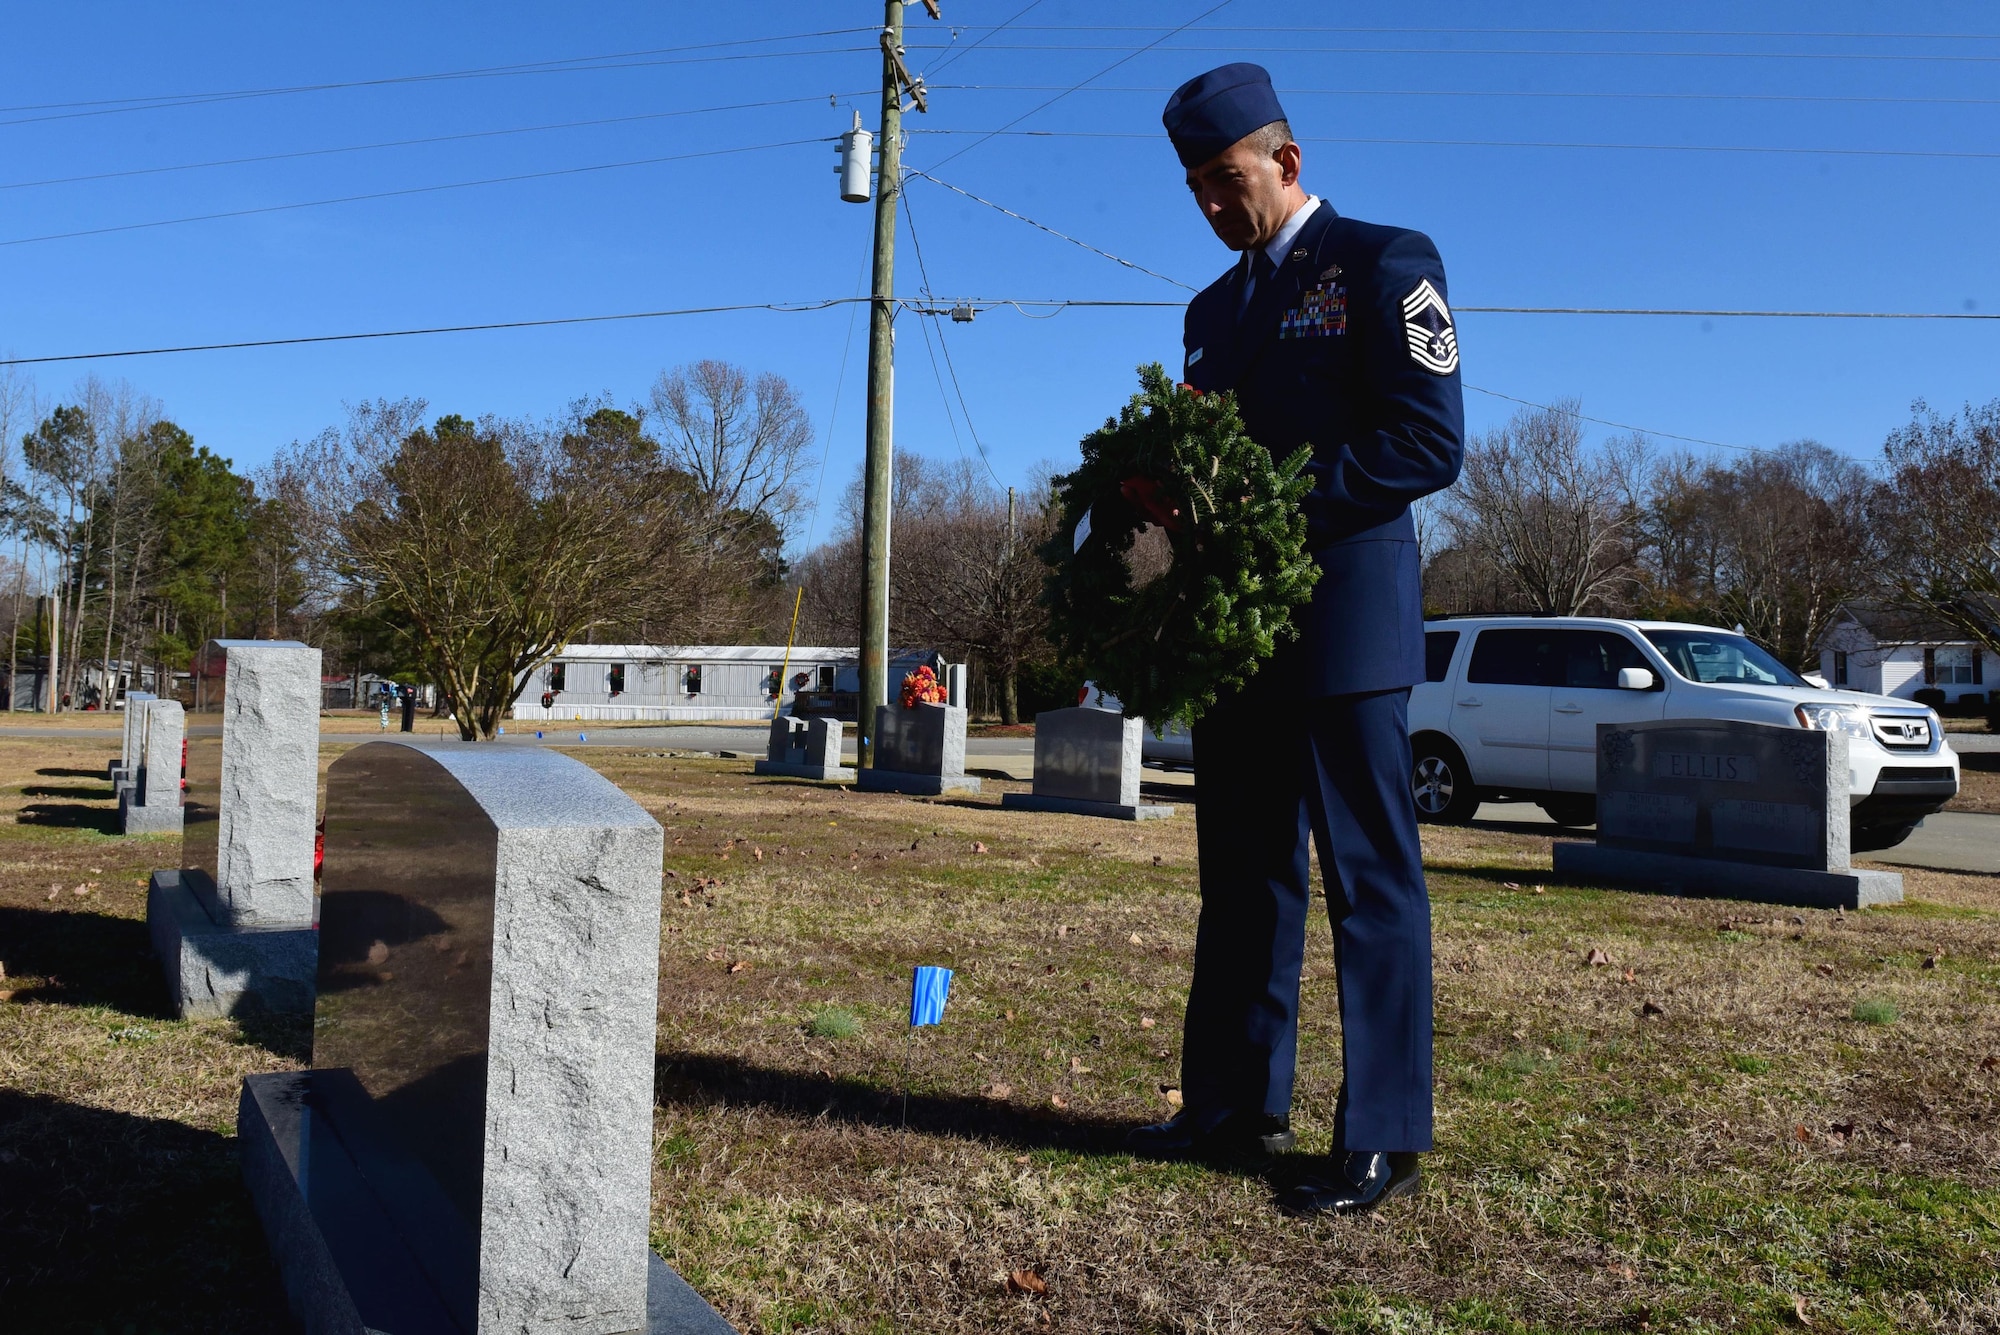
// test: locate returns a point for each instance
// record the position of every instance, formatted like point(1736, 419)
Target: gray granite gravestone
point(806, 749)
point(1087, 762)
point(1736, 810)
point(919, 750)
point(957, 677)
point(120, 770)
point(472, 1150)
point(233, 926)
point(151, 802)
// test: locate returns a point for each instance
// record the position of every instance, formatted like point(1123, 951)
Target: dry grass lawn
point(1751, 1119)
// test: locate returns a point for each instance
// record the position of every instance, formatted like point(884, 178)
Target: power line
point(960, 52)
point(1507, 92)
point(924, 273)
point(1529, 32)
point(1622, 426)
point(409, 190)
point(1127, 57)
point(999, 208)
point(1049, 47)
point(1505, 143)
point(1024, 305)
point(409, 143)
point(574, 64)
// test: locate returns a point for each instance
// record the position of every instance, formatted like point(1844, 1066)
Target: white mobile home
point(635, 682)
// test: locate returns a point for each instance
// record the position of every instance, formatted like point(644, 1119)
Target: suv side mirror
point(1635, 679)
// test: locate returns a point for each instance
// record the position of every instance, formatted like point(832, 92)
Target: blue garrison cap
point(1211, 111)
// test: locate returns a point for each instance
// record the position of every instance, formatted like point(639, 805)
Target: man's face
point(1245, 192)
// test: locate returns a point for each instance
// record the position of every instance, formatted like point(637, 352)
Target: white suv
point(1512, 705)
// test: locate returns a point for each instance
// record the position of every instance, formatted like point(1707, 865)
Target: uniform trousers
point(1270, 776)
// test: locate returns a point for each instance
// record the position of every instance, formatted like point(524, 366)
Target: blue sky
point(1900, 218)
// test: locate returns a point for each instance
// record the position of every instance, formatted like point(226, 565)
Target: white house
point(612, 682)
point(1889, 652)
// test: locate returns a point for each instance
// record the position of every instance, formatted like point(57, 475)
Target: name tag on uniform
point(1321, 313)
point(1194, 357)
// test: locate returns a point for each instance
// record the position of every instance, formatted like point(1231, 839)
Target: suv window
point(1513, 657)
point(1592, 658)
point(1439, 645)
point(1719, 656)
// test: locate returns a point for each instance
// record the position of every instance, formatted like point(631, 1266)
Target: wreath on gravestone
point(1177, 478)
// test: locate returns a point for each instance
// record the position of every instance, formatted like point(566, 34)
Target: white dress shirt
point(1280, 244)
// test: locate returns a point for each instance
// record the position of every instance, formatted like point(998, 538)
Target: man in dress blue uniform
point(1333, 333)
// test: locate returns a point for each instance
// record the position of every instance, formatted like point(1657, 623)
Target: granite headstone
point(1087, 762)
point(919, 750)
point(471, 1151)
point(805, 749)
point(233, 925)
point(1738, 810)
point(151, 802)
point(133, 746)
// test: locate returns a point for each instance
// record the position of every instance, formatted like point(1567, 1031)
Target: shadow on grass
point(708, 1080)
point(97, 774)
point(113, 1221)
point(89, 959)
point(102, 792)
point(70, 816)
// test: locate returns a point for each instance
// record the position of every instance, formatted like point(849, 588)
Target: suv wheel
point(1874, 838)
point(1440, 783)
point(1573, 809)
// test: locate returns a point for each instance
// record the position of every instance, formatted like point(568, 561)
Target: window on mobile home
point(691, 680)
point(618, 679)
point(558, 676)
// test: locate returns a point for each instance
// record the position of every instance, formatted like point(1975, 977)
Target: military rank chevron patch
point(1427, 325)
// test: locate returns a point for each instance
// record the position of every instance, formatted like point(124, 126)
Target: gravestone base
point(213, 970)
point(1716, 878)
point(139, 818)
point(379, 1241)
point(1077, 806)
point(786, 770)
point(917, 785)
point(118, 773)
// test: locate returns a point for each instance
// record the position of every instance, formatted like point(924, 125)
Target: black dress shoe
point(1365, 1179)
point(1247, 1141)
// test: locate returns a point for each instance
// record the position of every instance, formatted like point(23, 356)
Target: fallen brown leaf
point(757, 853)
point(1135, 939)
point(1826, 969)
point(1511, 885)
point(6, 994)
point(978, 847)
point(1010, 1015)
point(1990, 1063)
point(1147, 1022)
point(1541, 890)
point(1171, 1095)
point(1596, 957)
point(671, 874)
point(1931, 961)
point(1799, 1310)
point(1027, 1281)
point(378, 953)
point(1630, 976)
point(999, 1089)
point(1800, 1134)
point(718, 955)
point(1076, 1066)
point(1652, 1009)
point(1058, 1101)
point(739, 966)
point(1062, 930)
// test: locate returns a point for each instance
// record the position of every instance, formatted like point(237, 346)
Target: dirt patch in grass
point(1696, 1133)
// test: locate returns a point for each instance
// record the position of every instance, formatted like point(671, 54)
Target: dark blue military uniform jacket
point(1350, 347)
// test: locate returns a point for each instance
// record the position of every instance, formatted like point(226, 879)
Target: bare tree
point(1938, 519)
point(494, 543)
point(743, 440)
point(1555, 516)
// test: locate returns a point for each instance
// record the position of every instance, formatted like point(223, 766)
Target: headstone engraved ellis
point(919, 750)
point(805, 749)
point(120, 770)
point(471, 1151)
point(1087, 761)
point(151, 802)
point(233, 926)
point(1737, 810)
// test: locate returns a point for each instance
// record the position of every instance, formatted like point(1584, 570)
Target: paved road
point(1964, 742)
point(1947, 841)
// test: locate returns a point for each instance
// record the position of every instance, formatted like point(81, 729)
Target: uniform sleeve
point(1411, 439)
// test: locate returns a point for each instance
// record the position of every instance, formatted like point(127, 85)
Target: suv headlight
point(1833, 718)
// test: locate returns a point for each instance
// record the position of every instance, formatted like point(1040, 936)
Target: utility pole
point(878, 475)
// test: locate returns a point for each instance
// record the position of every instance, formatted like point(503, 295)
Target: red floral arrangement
point(922, 687)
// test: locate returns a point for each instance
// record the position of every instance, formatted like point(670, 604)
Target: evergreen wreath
point(1180, 459)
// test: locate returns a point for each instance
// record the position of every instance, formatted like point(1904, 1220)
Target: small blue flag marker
point(929, 987)
point(538, 734)
point(581, 738)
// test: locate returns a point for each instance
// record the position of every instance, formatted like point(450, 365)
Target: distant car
point(1172, 745)
point(1511, 707)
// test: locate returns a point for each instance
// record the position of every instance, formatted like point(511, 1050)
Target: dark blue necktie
point(1257, 272)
